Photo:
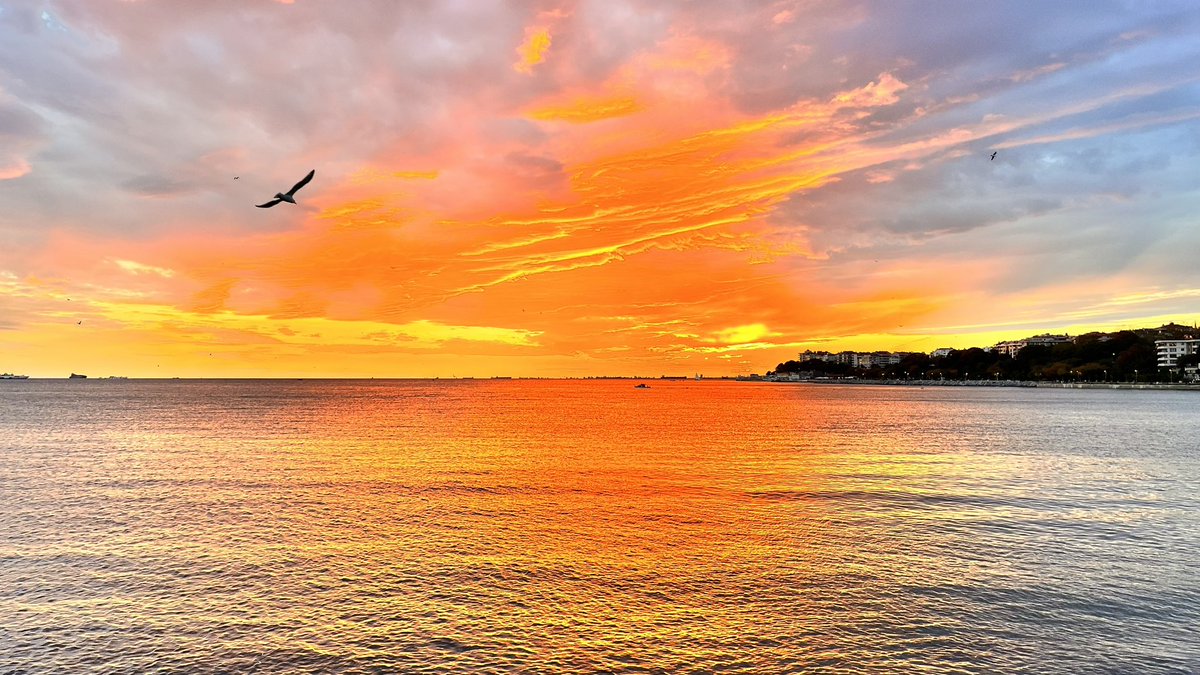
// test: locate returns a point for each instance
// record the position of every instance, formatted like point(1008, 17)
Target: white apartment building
point(808, 354)
point(881, 359)
point(1169, 351)
point(856, 359)
point(1011, 347)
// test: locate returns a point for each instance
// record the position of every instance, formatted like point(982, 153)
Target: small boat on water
point(641, 386)
point(10, 376)
point(77, 376)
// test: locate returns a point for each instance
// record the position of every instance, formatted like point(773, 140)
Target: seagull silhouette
point(993, 155)
point(287, 196)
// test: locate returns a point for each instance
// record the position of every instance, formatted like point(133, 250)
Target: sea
point(588, 526)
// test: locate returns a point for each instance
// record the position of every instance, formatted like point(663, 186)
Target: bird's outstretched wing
point(269, 204)
point(302, 183)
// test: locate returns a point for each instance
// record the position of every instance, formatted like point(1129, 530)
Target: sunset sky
point(635, 187)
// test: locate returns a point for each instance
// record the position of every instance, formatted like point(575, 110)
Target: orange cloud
point(372, 175)
point(652, 230)
point(532, 51)
point(138, 268)
point(689, 53)
point(696, 200)
point(739, 335)
point(588, 110)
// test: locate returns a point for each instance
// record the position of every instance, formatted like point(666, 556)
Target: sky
point(591, 187)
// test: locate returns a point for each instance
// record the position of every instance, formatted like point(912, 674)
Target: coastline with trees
point(1095, 359)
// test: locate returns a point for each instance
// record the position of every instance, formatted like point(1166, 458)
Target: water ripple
point(533, 527)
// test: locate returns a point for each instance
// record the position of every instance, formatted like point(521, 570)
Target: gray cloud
point(156, 186)
point(1075, 209)
point(534, 164)
point(21, 131)
point(143, 95)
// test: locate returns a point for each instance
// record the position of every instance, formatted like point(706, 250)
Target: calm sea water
point(587, 526)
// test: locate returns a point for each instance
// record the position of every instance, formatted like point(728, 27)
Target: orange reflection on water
point(476, 526)
point(591, 514)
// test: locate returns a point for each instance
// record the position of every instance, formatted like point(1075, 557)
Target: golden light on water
point(566, 525)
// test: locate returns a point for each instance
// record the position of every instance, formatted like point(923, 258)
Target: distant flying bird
point(993, 156)
point(287, 196)
point(236, 177)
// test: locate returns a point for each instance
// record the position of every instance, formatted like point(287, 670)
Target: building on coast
point(1012, 347)
point(855, 359)
point(1169, 351)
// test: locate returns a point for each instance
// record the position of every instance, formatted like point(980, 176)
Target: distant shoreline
point(851, 382)
point(1007, 383)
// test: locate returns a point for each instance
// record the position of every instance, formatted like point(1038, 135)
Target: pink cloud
point(14, 167)
point(884, 91)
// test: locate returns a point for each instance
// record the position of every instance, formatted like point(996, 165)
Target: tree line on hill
point(1124, 356)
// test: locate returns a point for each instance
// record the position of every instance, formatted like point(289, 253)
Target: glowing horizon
point(583, 188)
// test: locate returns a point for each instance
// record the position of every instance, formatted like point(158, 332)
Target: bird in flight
point(287, 196)
point(993, 155)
